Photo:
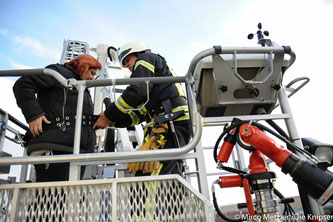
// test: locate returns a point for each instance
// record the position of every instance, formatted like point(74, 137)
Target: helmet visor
point(123, 54)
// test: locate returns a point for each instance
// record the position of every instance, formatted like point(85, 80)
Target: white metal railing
point(130, 156)
point(77, 159)
point(154, 198)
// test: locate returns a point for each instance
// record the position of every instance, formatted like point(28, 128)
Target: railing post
point(291, 127)
point(74, 168)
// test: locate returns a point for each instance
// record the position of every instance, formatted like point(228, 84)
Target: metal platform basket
point(158, 198)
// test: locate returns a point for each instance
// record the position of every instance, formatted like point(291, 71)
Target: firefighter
point(129, 109)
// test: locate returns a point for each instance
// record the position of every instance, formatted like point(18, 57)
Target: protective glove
point(156, 140)
point(134, 167)
point(160, 128)
point(149, 167)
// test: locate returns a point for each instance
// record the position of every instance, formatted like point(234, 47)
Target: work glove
point(155, 141)
point(149, 167)
point(134, 167)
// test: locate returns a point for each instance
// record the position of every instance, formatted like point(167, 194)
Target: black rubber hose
point(108, 51)
point(233, 170)
point(277, 128)
point(288, 142)
point(282, 132)
point(220, 213)
point(288, 209)
point(218, 142)
point(225, 131)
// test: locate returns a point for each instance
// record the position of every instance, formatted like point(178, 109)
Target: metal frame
point(239, 50)
point(282, 96)
point(73, 49)
point(176, 153)
point(291, 127)
point(118, 157)
point(3, 126)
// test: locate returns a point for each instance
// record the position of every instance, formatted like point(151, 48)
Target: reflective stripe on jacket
point(147, 65)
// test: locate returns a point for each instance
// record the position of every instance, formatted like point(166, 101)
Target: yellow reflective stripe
point(177, 109)
point(154, 173)
point(143, 111)
point(160, 139)
point(147, 126)
point(171, 70)
point(134, 117)
point(178, 86)
point(180, 89)
point(149, 115)
point(186, 117)
point(145, 64)
point(180, 108)
point(174, 110)
point(120, 108)
point(122, 105)
point(157, 172)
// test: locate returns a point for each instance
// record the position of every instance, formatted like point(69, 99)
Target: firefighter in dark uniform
point(49, 108)
point(131, 108)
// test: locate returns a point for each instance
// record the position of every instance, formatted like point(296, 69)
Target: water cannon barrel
point(317, 181)
point(261, 141)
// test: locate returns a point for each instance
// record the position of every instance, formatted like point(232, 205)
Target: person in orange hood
point(49, 108)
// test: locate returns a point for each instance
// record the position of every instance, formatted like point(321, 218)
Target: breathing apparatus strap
point(170, 117)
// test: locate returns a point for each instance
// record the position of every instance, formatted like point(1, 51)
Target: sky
point(32, 34)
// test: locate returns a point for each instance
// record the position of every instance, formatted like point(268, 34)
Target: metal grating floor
point(162, 198)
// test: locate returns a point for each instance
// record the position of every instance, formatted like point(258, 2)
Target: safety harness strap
point(168, 115)
point(69, 121)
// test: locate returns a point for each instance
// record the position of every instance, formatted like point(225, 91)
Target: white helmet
point(130, 48)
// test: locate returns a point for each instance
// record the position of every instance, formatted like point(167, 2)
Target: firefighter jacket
point(134, 97)
point(43, 95)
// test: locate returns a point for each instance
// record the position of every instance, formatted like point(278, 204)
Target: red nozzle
point(230, 181)
point(225, 152)
point(227, 146)
point(259, 140)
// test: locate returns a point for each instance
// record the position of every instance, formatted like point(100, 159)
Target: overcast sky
point(32, 34)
